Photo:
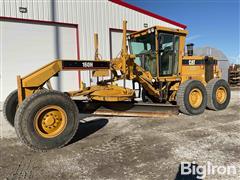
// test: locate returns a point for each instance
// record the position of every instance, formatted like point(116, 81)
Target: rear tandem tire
point(192, 97)
point(46, 120)
point(215, 101)
point(10, 107)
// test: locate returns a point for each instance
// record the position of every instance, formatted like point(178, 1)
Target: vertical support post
point(96, 58)
point(181, 53)
point(124, 51)
point(124, 40)
point(96, 46)
point(157, 51)
point(20, 93)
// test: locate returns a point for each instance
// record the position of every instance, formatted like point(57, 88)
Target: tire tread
point(6, 108)
point(23, 107)
point(210, 87)
point(181, 97)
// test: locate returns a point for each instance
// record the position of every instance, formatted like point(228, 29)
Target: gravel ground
point(131, 148)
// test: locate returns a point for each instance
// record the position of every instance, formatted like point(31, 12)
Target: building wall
point(90, 15)
point(24, 51)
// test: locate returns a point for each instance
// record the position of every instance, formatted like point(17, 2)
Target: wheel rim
point(195, 98)
point(221, 95)
point(50, 121)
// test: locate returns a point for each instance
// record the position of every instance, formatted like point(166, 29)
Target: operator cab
point(157, 49)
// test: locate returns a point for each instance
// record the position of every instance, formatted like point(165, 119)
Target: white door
point(26, 47)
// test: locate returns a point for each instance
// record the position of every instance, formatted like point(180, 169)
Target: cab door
point(168, 54)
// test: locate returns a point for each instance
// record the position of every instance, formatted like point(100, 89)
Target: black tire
point(183, 97)
point(10, 107)
point(212, 87)
point(24, 120)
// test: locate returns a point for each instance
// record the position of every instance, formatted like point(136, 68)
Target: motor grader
point(154, 58)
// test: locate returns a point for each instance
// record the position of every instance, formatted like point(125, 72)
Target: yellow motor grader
point(154, 58)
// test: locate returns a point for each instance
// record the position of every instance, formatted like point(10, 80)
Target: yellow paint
point(221, 95)
point(159, 28)
point(128, 70)
point(50, 121)
point(195, 98)
point(41, 75)
point(98, 73)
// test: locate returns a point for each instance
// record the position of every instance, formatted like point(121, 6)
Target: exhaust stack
point(190, 49)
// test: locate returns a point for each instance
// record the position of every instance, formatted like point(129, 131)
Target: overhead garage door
point(26, 47)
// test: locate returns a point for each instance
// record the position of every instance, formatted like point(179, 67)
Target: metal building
point(34, 33)
point(221, 58)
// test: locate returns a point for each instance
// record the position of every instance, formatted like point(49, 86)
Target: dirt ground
point(131, 148)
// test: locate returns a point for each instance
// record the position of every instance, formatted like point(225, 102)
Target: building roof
point(146, 12)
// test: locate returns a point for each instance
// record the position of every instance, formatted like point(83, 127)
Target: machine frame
point(46, 119)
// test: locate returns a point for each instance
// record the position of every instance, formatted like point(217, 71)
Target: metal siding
point(24, 3)
point(1, 8)
point(18, 4)
point(65, 11)
point(74, 13)
point(35, 11)
point(102, 15)
point(31, 9)
point(13, 8)
point(47, 11)
point(7, 7)
point(40, 10)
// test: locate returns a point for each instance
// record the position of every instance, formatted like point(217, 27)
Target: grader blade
point(128, 109)
point(140, 110)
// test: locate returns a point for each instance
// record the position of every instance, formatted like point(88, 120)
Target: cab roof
point(159, 28)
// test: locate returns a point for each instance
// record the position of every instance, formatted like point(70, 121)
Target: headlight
point(128, 37)
point(149, 30)
point(152, 29)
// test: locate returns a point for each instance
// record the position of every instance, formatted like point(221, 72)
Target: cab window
point(144, 49)
point(168, 54)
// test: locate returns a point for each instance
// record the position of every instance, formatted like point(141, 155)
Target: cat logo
point(191, 62)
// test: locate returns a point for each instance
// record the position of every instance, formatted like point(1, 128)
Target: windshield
point(144, 49)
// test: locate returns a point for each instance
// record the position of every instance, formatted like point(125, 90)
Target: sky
point(214, 23)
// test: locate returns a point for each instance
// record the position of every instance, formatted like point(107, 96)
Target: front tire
point(218, 93)
point(46, 120)
point(192, 97)
point(10, 107)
